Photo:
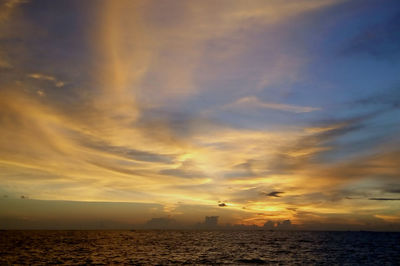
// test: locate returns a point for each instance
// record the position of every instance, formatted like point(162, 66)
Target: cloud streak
point(253, 102)
point(39, 76)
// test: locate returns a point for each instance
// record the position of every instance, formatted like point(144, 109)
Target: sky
point(119, 111)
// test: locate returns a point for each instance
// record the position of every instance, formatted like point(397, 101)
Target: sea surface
point(198, 247)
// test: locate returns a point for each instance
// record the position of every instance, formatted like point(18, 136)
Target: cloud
point(39, 76)
point(384, 198)
point(253, 102)
point(386, 100)
point(324, 141)
point(392, 190)
point(125, 152)
point(273, 194)
point(222, 204)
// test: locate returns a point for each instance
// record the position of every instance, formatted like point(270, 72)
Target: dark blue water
point(198, 247)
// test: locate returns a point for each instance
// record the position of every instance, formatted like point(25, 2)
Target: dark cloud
point(391, 188)
point(124, 152)
point(222, 204)
point(142, 155)
point(384, 198)
point(394, 190)
point(273, 194)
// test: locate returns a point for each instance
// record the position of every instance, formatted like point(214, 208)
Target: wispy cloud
point(56, 82)
point(253, 102)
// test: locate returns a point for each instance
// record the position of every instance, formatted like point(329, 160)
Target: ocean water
point(198, 247)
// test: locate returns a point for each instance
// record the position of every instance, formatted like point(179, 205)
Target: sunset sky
point(120, 111)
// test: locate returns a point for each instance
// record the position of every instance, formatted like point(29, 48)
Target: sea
point(198, 248)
